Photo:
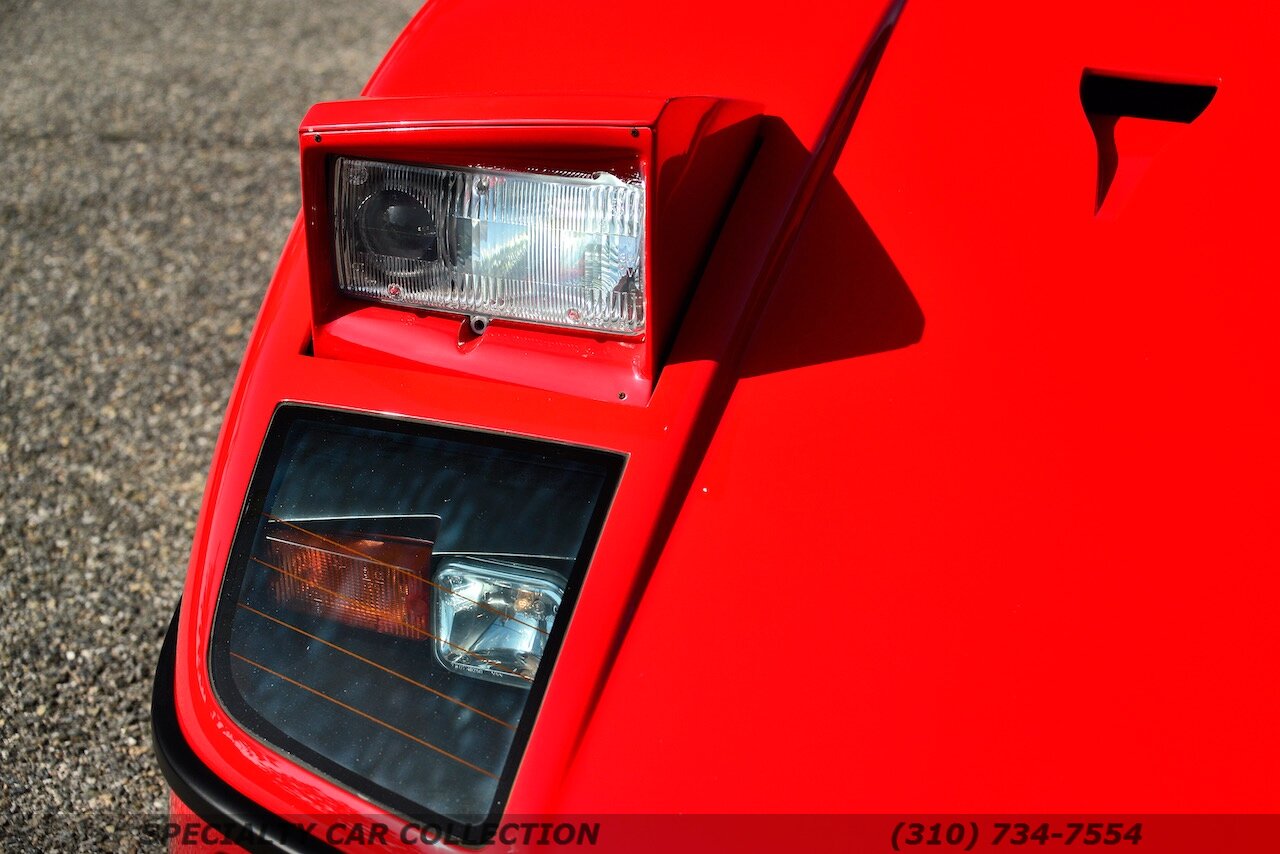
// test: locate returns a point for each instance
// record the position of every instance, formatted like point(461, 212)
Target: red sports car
point(860, 415)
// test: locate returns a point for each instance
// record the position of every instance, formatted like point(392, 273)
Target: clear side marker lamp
point(492, 618)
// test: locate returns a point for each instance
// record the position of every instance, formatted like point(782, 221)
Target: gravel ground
point(148, 178)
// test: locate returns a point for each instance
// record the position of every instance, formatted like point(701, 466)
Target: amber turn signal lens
point(371, 581)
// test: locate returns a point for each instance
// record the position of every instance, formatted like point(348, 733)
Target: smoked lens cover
point(355, 531)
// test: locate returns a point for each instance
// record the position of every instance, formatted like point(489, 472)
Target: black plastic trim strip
point(240, 819)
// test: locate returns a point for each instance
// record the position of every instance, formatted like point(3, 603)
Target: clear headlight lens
point(492, 618)
point(557, 250)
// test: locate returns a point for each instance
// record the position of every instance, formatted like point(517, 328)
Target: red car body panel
point(956, 491)
point(1027, 562)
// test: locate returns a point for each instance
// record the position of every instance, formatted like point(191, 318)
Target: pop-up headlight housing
point(550, 244)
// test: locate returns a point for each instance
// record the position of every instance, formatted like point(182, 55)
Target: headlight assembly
point(396, 597)
point(557, 250)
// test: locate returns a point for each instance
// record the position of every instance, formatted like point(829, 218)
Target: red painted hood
point(793, 65)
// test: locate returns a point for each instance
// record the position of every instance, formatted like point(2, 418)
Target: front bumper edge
point(218, 804)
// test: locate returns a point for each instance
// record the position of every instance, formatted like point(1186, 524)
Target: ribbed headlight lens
point(546, 249)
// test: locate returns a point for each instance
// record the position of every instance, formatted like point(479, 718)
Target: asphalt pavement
point(148, 178)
